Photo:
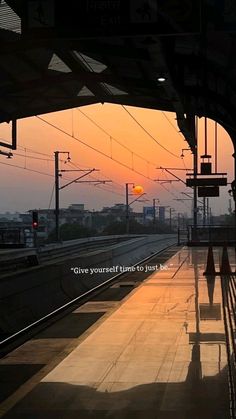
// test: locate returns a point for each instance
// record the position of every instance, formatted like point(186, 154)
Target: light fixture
point(161, 79)
point(184, 149)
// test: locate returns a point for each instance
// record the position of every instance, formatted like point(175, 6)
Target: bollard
point(210, 267)
point(225, 268)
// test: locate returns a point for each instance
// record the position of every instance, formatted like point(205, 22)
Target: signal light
point(35, 221)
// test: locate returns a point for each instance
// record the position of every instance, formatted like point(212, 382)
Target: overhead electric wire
point(92, 148)
point(174, 187)
point(32, 157)
point(148, 133)
point(137, 122)
point(100, 186)
point(113, 182)
point(96, 180)
point(140, 125)
point(53, 188)
point(171, 123)
point(25, 168)
point(47, 174)
point(107, 190)
point(29, 149)
point(29, 170)
point(42, 173)
point(164, 187)
point(104, 154)
point(179, 133)
point(115, 139)
point(97, 150)
point(32, 151)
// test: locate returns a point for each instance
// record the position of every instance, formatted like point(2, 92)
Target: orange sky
point(22, 189)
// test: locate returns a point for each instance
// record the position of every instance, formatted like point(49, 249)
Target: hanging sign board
point(207, 182)
point(94, 18)
point(208, 191)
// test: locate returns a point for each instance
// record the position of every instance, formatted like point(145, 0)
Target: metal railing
point(228, 287)
point(13, 259)
point(12, 238)
point(182, 236)
point(211, 234)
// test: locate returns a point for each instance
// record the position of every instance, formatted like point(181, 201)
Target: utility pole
point(127, 203)
point(168, 170)
point(211, 218)
point(170, 218)
point(57, 203)
point(195, 209)
point(178, 220)
point(204, 211)
point(154, 209)
point(195, 170)
point(207, 210)
point(58, 188)
point(171, 213)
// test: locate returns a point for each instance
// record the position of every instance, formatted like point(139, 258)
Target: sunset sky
point(22, 189)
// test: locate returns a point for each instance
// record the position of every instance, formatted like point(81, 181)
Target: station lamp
point(161, 79)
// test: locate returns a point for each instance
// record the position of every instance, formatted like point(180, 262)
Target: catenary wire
point(148, 133)
point(96, 150)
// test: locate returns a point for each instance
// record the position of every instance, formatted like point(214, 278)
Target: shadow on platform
point(195, 398)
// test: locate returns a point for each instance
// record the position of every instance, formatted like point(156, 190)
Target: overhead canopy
point(60, 55)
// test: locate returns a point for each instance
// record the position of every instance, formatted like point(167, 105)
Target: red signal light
point(35, 220)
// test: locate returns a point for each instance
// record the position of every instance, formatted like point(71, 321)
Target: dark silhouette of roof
point(80, 53)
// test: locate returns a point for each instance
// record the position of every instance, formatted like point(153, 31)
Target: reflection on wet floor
point(161, 354)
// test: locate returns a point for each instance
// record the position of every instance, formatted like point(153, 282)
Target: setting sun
point(138, 190)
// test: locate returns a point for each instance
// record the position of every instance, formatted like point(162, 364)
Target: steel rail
point(101, 287)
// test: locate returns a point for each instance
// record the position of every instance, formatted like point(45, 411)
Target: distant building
point(138, 216)
point(148, 213)
point(76, 207)
point(10, 216)
point(74, 214)
point(118, 209)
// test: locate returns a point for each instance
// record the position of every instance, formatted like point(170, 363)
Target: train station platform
point(160, 354)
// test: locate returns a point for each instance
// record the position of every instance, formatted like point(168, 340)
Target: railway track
point(10, 342)
point(44, 255)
